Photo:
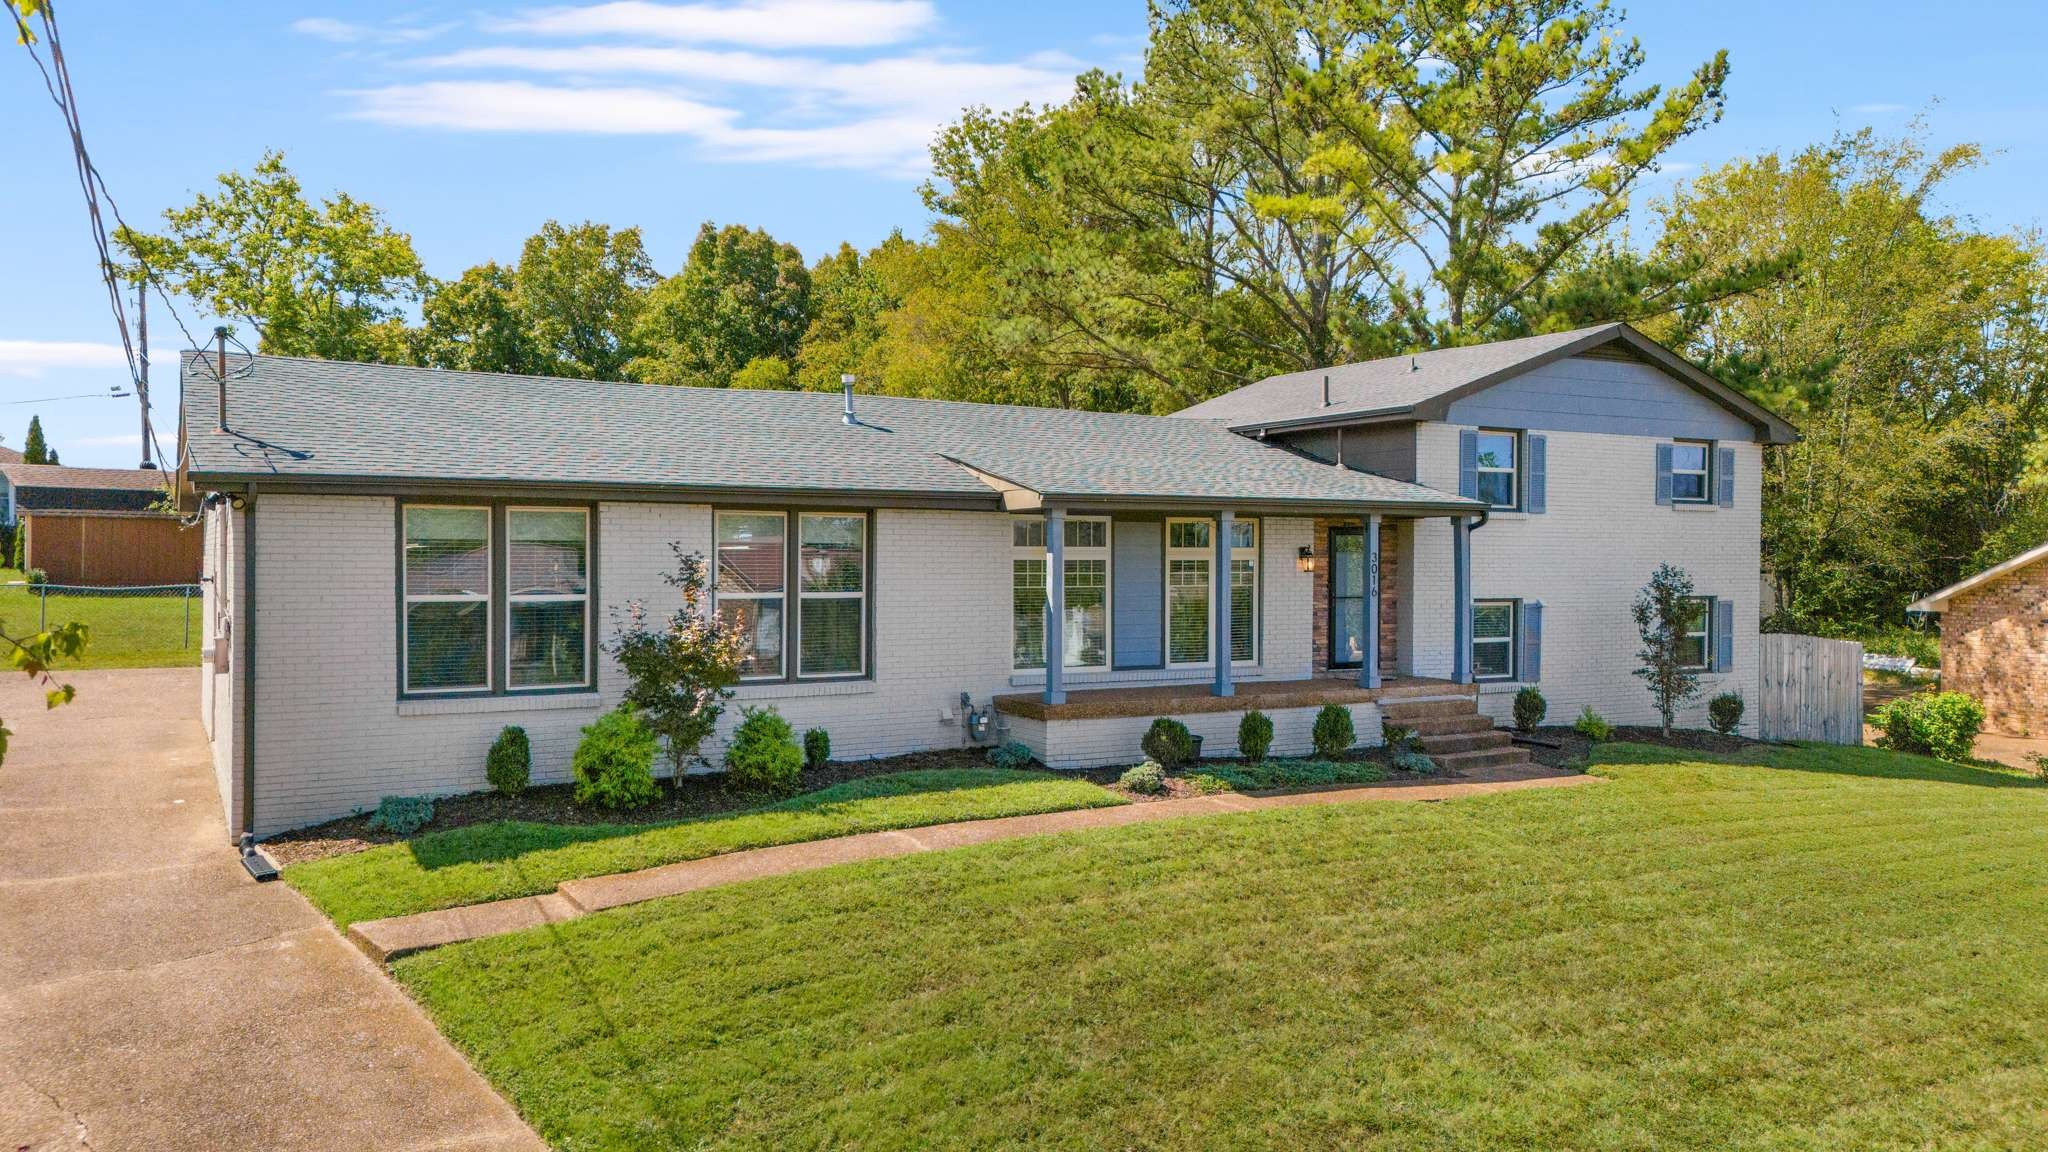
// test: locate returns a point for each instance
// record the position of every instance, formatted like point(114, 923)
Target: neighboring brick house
point(402, 561)
point(1994, 641)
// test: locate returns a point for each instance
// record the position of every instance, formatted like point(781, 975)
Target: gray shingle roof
point(312, 420)
point(1421, 384)
point(64, 476)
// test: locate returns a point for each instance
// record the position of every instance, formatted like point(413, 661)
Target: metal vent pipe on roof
point(846, 383)
point(220, 378)
point(1326, 389)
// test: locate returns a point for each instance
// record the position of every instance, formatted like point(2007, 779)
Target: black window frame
point(497, 661)
point(792, 549)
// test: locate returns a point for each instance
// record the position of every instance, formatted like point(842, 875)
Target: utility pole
point(142, 378)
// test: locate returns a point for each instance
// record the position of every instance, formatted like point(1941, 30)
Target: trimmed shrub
point(1206, 784)
point(36, 577)
point(817, 748)
point(1416, 762)
point(402, 815)
point(510, 764)
point(1334, 734)
point(1169, 742)
point(1530, 707)
point(1148, 778)
point(614, 762)
point(1724, 712)
point(764, 755)
point(1397, 736)
point(1255, 735)
point(1938, 724)
point(1592, 726)
point(1015, 754)
point(1270, 774)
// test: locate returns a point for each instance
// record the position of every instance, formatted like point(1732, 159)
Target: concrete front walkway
point(152, 996)
point(398, 935)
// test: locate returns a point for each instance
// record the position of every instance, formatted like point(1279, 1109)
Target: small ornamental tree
point(682, 671)
point(1663, 610)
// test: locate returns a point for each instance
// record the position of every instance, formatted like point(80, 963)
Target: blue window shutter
point(1532, 643)
point(1539, 473)
point(1724, 635)
point(1663, 473)
point(1468, 463)
point(1724, 478)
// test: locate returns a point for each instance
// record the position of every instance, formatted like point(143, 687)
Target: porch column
point(1220, 619)
point(1369, 667)
point(1055, 605)
point(1461, 600)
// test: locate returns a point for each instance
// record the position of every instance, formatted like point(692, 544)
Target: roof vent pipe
point(220, 378)
point(846, 383)
point(1326, 389)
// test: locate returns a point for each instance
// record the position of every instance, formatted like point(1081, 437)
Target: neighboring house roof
point(54, 487)
point(9, 456)
point(1424, 386)
point(333, 424)
point(1940, 600)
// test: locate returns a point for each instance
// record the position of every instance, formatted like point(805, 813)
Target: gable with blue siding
point(1592, 394)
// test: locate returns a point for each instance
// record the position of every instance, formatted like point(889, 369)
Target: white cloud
point(518, 107)
point(30, 359)
point(342, 32)
point(131, 440)
point(760, 23)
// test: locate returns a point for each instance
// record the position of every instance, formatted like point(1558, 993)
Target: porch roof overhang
point(1402, 500)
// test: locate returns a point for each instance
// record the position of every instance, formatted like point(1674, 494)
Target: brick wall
point(1994, 646)
point(1390, 593)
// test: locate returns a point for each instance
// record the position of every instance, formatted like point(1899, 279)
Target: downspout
point(248, 633)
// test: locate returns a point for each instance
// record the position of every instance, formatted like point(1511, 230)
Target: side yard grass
point(128, 631)
point(495, 861)
point(1785, 948)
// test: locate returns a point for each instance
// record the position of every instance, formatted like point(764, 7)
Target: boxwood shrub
point(1939, 724)
point(1169, 742)
point(614, 762)
point(1334, 734)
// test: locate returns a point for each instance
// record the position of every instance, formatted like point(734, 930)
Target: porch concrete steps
point(1484, 758)
point(1403, 712)
point(1453, 732)
point(1444, 725)
point(1454, 742)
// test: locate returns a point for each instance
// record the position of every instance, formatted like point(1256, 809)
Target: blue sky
point(472, 124)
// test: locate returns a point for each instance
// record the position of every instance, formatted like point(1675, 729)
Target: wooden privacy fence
point(1810, 689)
point(110, 548)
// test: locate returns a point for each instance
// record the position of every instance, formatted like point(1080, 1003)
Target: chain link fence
point(129, 626)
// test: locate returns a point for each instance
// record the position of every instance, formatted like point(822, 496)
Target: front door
point(1347, 597)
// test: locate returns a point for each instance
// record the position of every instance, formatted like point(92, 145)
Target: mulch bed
point(700, 795)
point(1179, 788)
point(1574, 748)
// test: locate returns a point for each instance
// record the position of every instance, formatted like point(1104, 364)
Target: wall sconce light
point(1305, 559)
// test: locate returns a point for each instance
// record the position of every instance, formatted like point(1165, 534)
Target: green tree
point(476, 323)
point(582, 290)
point(328, 280)
point(742, 296)
point(1665, 610)
point(34, 448)
point(1908, 347)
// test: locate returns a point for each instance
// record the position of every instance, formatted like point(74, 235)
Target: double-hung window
point(547, 594)
point(446, 584)
point(1493, 639)
point(832, 589)
point(1691, 468)
point(1499, 463)
point(1084, 632)
point(752, 573)
point(1190, 591)
point(827, 573)
point(1696, 633)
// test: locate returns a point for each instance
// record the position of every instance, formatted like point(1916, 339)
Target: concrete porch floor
point(1109, 703)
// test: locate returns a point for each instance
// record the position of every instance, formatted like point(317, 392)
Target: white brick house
point(399, 562)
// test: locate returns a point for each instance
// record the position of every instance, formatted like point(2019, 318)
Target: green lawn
point(1832, 949)
point(127, 631)
point(513, 858)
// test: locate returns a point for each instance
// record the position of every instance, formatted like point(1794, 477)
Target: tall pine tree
point(35, 449)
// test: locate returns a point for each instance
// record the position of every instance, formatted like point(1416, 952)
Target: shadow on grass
point(1830, 759)
point(504, 841)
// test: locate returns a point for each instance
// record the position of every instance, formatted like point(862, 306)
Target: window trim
point(1705, 472)
point(796, 626)
point(589, 587)
point(1513, 639)
point(1207, 553)
point(791, 553)
point(1513, 472)
point(1106, 552)
point(406, 600)
point(496, 674)
point(1706, 634)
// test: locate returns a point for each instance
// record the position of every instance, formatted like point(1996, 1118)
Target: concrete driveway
point(152, 996)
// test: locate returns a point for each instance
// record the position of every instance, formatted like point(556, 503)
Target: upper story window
point(1500, 467)
point(1084, 634)
point(1691, 468)
point(454, 571)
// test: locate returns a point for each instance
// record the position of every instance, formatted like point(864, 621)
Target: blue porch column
point(1055, 605)
point(1219, 583)
point(1369, 668)
point(1461, 600)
